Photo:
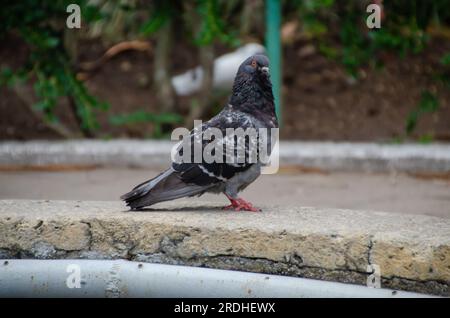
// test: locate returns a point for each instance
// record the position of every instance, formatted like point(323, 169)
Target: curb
point(370, 157)
point(408, 252)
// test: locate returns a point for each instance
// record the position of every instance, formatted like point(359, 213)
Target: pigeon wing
point(235, 161)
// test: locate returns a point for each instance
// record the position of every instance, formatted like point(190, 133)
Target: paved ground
point(383, 192)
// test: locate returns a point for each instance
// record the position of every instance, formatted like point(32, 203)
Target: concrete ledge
point(413, 251)
point(150, 153)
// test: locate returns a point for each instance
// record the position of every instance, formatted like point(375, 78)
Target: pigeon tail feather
point(164, 187)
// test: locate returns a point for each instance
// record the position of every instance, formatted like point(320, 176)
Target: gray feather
point(166, 186)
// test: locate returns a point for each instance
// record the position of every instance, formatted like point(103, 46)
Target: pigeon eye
point(254, 63)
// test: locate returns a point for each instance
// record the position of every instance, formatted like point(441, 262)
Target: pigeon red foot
point(240, 204)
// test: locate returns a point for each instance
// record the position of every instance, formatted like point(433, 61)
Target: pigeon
point(251, 106)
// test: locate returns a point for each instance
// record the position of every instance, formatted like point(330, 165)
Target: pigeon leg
point(240, 204)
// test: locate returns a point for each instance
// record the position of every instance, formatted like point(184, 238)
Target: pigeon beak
point(265, 69)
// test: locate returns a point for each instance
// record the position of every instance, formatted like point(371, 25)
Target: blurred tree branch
point(162, 78)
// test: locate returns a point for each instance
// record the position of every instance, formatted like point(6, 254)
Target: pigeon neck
point(253, 95)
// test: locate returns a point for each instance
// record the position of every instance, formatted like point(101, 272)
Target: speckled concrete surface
point(413, 251)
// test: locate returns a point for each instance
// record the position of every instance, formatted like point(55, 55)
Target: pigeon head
point(252, 88)
point(256, 66)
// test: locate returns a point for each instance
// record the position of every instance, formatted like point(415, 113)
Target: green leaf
point(411, 122)
point(153, 25)
point(445, 60)
point(91, 13)
point(428, 102)
point(426, 139)
point(141, 116)
point(51, 42)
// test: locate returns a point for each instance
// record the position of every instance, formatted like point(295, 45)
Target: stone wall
point(412, 251)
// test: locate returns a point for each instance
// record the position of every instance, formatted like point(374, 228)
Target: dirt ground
point(321, 102)
point(394, 193)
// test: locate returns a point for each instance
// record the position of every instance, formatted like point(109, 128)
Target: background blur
point(112, 78)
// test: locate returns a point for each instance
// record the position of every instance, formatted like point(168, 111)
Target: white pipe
point(120, 278)
point(225, 68)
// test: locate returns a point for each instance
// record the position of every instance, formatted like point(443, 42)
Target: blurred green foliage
point(428, 103)
point(337, 26)
point(141, 116)
point(340, 28)
point(41, 26)
point(211, 20)
point(443, 73)
point(213, 25)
